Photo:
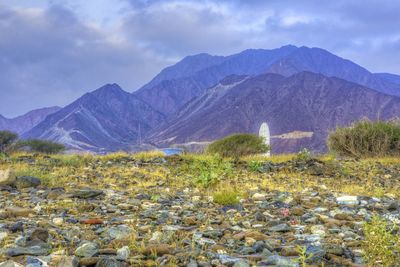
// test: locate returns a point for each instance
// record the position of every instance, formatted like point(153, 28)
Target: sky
point(53, 51)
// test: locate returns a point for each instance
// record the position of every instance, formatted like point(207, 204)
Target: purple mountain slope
point(189, 78)
point(300, 110)
point(106, 119)
point(24, 123)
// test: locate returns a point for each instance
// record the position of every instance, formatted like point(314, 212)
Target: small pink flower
point(285, 212)
point(293, 222)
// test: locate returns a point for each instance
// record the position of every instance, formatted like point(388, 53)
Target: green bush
point(304, 155)
point(238, 145)
point(366, 139)
point(7, 139)
point(42, 146)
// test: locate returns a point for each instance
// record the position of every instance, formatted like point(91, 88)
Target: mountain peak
point(288, 46)
point(108, 89)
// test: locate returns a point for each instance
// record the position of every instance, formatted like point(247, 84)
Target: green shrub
point(210, 172)
point(382, 243)
point(7, 139)
point(366, 139)
point(226, 197)
point(42, 146)
point(255, 166)
point(304, 155)
point(238, 145)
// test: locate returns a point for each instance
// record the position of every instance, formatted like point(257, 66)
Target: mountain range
point(24, 123)
point(300, 109)
point(301, 92)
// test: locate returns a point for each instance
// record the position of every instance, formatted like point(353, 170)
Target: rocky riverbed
point(126, 211)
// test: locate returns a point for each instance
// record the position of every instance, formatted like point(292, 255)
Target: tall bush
point(366, 139)
point(42, 146)
point(7, 138)
point(238, 145)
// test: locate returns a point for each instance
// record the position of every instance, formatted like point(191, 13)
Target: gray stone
point(228, 260)
point(88, 249)
point(118, 232)
point(123, 253)
point(35, 262)
point(213, 234)
point(33, 251)
point(27, 181)
point(316, 253)
point(276, 260)
point(283, 227)
point(192, 263)
point(202, 241)
point(247, 250)
point(86, 193)
point(241, 263)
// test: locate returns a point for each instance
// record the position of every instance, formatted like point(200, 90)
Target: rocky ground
point(159, 211)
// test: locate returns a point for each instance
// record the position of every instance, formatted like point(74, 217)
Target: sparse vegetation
point(42, 146)
point(238, 145)
point(366, 139)
point(382, 243)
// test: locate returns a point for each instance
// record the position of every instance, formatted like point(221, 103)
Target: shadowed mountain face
point(106, 119)
point(189, 78)
point(305, 102)
point(24, 123)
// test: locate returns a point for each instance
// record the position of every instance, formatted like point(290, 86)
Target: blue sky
point(51, 52)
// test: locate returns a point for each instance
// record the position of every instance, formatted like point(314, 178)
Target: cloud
point(51, 53)
point(49, 57)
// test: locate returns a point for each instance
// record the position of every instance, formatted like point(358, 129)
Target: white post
point(264, 132)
